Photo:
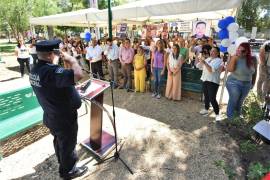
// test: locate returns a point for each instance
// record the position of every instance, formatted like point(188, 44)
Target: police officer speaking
point(55, 91)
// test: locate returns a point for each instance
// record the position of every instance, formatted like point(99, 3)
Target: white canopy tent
point(140, 11)
point(148, 9)
point(68, 19)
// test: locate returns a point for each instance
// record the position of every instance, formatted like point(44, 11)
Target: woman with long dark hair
point(23, 57)
point(242, 67)
point(211, 65)
point(174, 63)
point(158, 67)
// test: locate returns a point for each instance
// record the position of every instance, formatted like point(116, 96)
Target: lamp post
point(110, 18)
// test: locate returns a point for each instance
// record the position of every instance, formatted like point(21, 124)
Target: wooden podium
point(100, 142)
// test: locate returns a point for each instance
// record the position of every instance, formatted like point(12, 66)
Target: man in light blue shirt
point(112, 53)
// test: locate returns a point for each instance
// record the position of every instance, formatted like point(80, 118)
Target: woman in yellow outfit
point(139, 70)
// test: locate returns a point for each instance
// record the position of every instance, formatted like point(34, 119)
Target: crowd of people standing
point(158, 59)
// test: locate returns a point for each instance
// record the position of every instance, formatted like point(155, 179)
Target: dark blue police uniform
point(54, 88)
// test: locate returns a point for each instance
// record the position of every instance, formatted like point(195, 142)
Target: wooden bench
point(191, 81)
point(19, 110)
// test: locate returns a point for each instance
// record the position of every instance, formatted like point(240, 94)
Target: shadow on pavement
point(10, 79)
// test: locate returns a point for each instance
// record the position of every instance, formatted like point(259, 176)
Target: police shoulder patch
point(59, 70)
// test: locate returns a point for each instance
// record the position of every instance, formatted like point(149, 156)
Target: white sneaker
point(204, 112)
point(219, 117)
point(158, 96)
point(154, 95)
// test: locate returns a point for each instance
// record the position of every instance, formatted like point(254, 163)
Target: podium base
point(107, 145)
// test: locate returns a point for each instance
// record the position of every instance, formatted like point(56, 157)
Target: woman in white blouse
point(211, 67)
point(23, 57)
point(174, 63)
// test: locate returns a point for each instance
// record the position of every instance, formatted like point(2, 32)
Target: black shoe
point(76, 172)
point(129, 90)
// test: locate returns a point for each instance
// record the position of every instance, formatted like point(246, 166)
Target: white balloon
point(240, 40)
point(232, 49)
point(82, 35)
point(233, 36)
point(86, 30)
point(93, 35)
point(225, 42)
point(233, 27)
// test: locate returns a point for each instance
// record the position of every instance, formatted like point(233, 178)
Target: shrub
point(247, 146)
point(256, 171)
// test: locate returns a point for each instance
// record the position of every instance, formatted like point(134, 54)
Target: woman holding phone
point(211, 64)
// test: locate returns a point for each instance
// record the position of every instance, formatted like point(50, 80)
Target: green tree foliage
point(250, 14)
point(72, 5)
point(103, 4)
point(15, 14)
point(44, 7)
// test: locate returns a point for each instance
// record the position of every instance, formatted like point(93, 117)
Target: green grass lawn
point(7, 47)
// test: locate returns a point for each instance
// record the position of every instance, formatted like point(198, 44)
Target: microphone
point(84, 87)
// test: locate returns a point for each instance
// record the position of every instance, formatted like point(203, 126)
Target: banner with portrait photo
point(201, 28)
point(121, 30)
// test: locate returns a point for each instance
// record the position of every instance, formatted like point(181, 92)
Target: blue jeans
point(157, 80)
point(238, 91)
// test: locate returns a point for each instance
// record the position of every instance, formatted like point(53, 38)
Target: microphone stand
point(116, 155)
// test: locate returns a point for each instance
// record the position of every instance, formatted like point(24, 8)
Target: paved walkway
point(162, 140)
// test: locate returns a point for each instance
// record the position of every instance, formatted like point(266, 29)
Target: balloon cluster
point(228, 34)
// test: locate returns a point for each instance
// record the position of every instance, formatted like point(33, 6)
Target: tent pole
point(88, 24)
point(110, 18)
point(32, 30)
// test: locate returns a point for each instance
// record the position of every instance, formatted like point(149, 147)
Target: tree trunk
point(50, 32)
point(8, 34)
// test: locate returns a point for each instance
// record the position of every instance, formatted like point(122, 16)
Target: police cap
point(48, 45)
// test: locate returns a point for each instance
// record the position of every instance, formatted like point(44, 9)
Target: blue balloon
point(229, 20)
point(222, 24)
point(87, 37)
point(223, 49)
point(223, 34)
